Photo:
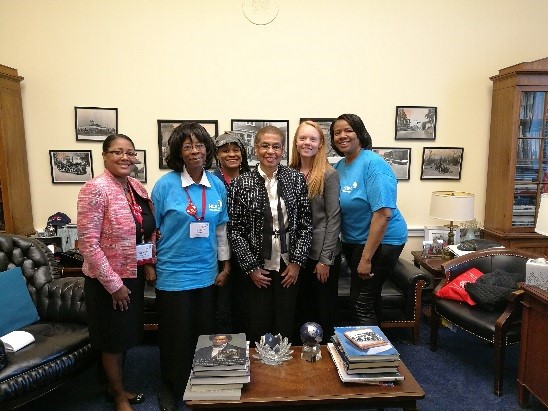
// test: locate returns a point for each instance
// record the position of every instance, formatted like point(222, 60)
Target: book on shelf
point(221, 350)
point(16, 340)
point(364, 367)
point(222, 394)
point(355, 354)
point(376, 378)
point(365, 338)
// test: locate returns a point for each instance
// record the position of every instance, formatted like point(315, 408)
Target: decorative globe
point(311, 333)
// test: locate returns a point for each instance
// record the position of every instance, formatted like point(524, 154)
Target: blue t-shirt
point(185, 263)
point(367, 185)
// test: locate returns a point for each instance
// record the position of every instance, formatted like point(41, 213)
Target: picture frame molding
point(422, 132)
point(144, 163)
point(55, 171)
point(81, 112)
point(441, 173)
point(396, 170)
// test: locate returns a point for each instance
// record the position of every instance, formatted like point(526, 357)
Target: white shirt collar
point(186, 180)
point(263, 174)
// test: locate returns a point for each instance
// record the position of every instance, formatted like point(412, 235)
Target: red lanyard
point(191, 208)
point(137, 212)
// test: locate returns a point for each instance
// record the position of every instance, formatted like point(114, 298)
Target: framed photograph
point(95, 123)
point(398, 158)
point(71, 166)
point(441, 163)
point(432, 248)
point(416, 123)
point(325, 124)
point(440, 233)
point(165, 128)
point(247, 129)
point(140, 169)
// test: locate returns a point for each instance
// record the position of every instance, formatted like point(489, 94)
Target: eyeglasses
point(197, 146)
point(120, 153)
point(266, 146)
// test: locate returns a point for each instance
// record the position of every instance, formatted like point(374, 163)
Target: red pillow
point(454, 290)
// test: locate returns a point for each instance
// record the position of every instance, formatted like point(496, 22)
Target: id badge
point(144, 253)
point(199, 229)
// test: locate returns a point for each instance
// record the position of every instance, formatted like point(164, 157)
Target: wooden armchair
point(502, 327)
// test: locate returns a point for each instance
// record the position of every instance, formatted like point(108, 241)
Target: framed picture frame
point(433, 233)
point(416, 122)
point(95, 123)
point(246, 130)
point(399, 160)
point(140, 169)
point(441, 163)
point(69, 166)
point(165, 128)
point(325, 124)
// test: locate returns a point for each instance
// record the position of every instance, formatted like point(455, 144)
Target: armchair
point(502, 327)
point(61, 346)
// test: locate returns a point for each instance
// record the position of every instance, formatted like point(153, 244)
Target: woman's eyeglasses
point(197, 146)
point(120, 153)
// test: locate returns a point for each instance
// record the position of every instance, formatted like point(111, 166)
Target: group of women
point(241, 249)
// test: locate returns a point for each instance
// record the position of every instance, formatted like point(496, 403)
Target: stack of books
point(363, 354)
point(220, 368)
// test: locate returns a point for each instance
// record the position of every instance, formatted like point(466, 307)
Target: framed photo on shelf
point(441, 163)
point(247, 129)
point(95, 123)
point(416, 123)
point(140, 169)
point(432, 233)
point(165, 128)
point(71, 166)
point(325, 124)
point(399, 160)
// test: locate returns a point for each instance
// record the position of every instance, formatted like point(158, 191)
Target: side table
point(430, 264)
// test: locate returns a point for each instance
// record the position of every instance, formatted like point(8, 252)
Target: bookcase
point(518, 156)
point(15, 199)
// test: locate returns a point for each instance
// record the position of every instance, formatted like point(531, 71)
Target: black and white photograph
point(247, 129)
point(325, 124)
point(165, 128)
point(71, 166)
point(140, 166)
point(399, 160)
point(95, 123)
point(416, 123)
point(441, 163)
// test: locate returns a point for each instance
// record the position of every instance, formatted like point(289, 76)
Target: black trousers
point(182, 317)
point(318, 301)
point(365, 295)
point(270, 309)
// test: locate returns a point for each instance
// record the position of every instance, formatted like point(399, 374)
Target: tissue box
point(536, 273)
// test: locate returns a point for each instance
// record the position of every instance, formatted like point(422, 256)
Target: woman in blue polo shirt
point(373, 231)
point(191, 214)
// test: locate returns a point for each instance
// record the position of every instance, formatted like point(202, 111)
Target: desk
point(316, 385)
point(532, 375)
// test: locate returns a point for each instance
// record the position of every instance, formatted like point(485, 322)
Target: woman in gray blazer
point(319, 279)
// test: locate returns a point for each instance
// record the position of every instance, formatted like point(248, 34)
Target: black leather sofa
point(61, 346)
point(402, 295)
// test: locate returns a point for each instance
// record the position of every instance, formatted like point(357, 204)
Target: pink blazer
point(106, 230)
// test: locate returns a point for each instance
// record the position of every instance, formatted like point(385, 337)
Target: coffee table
point(316, 385)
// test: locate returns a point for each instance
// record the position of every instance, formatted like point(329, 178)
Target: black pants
point(365, 295)
point(270, 309)
point(318, 301)
point(182, 317)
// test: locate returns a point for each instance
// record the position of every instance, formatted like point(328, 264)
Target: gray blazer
point(326, 221)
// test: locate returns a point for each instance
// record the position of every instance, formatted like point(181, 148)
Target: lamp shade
point(452, 205)
point(542, 217)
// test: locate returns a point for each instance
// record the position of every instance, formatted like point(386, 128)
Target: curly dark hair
point(111, 138)
point(357, 125)
point(184, 131)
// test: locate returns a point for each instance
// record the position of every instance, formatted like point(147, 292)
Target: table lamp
point(542, 216)
point(452, 206)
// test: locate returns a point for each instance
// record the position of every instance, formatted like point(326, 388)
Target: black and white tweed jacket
point(246, 199)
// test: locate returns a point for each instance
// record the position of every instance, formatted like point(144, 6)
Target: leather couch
point(61, 346)
point(401, 296)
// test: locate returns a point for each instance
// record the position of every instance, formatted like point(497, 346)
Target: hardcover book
point(221, 350)
point(354, 354)
point(365, 338)
point(220, 394)
point(365, 367)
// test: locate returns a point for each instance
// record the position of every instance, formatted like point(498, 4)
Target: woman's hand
point(120, 298)
point(322, 272)
point(290, 275)
point(364, 269)
point(221, 278)
point(260, 278)
point(150, 274)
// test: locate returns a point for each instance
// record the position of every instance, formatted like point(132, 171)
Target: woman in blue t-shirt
point(373, 231)
point(191, 213)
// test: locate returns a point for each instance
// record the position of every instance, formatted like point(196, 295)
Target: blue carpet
point(458, 376)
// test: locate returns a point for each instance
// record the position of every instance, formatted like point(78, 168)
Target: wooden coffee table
point(298, 382)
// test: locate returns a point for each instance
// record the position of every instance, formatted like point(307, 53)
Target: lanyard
point(191, 208)
point(137, 212)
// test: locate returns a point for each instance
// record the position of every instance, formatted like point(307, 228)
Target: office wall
point(181, 59)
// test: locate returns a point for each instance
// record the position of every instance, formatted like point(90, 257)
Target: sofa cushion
point(454, 290)
point(16, 306)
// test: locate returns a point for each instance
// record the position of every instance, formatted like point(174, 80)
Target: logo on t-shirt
point(348, 189)
point(216, 207)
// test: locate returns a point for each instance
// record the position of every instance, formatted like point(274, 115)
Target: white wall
point(182, 59)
